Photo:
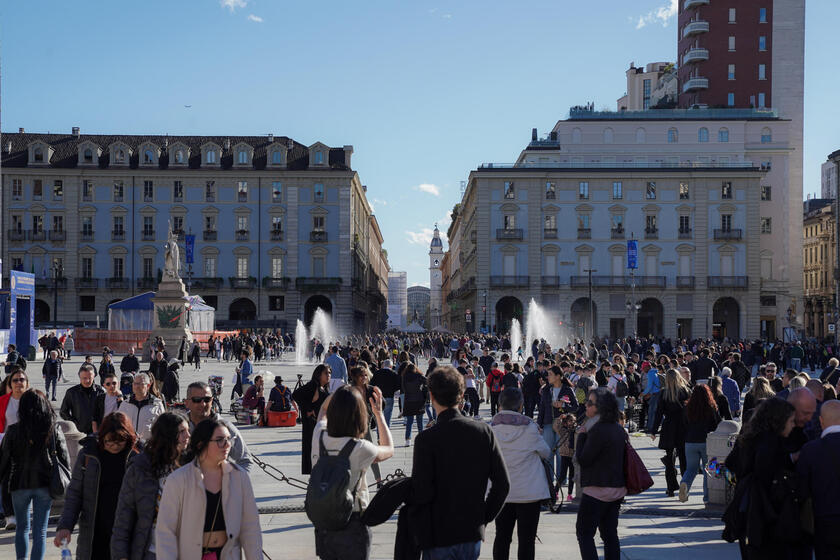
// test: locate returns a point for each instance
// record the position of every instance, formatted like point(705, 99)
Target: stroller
point(216, 383)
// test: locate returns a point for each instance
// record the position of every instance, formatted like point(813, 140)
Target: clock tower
point(435, 280)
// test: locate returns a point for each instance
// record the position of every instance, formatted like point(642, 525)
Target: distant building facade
point(435, 279)
point(397, 300)
point(828, 180)
point(818, 255)
point(418, 298)
point(273, 221)
point(649, 87)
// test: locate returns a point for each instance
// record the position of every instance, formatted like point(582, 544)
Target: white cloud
point(422, 237)
point(428, 188)
point(663, 14)
point(446, 16)
point(256, 19)
point(233, 5)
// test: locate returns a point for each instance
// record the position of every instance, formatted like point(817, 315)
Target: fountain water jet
point(540, 324)
point(322, 327)
point(515, 337)
point(301, 343)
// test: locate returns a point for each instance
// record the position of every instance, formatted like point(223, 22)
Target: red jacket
point(494, 375)
point(4, 404)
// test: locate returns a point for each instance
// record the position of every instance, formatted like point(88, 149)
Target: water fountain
point(516, 337)
point(322, 327)
point(301, 343)
point(540, 324)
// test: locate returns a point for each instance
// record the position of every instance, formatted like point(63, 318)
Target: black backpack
point(621, 388)
point(331, 493)
point(21, 362)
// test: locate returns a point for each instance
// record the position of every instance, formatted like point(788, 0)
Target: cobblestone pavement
point(651, 525)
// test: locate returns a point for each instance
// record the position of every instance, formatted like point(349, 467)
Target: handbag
point(637, 479)
point(59, 473)
point(554, 503)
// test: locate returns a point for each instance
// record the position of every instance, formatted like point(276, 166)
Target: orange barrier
point(91, 341)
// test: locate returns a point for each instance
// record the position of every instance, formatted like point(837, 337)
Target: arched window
point(703, 135)
point(39, 154)
point(673, 137)
point(243, 156)
point(277, 157)
point(766, 135)
point(119, 156)
point(88, 155)
point(723, 135)
point(211, 156)
point(640, 136)
point(148, 157)
point(576, 134)
point(608, 136)
point(179, 156)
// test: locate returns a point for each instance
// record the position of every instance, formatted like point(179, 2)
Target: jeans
point(461, 551)
point(526, 517)
point(388, 409)
point(695, 462)
point(494, 402)
point(622, 403)
point(531, 402)
point(471, 396)
point(21, 500)
point(796, 363)
point(430, 412)
point(408, 421)
point(51, 380)
point(595, 514)
point(652, 404)
point(551, 439)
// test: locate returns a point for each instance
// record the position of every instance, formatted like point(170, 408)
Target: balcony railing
point(276, 283)
point(618, 281)
point(318, 236)
point(115, 283)
point(210, 234)
point(650, 281)
point(277, 235)
point(550, 233)
point(551, 281)
point(695, 27)
point(208, 283)
point(148, 235)
point(515, 234)
point(728, 234)
point(243, 235)
point(684, 234)
point(87, 283)
point(243, 283)
point(317, 283)
point(146, 283)
point(118, 235)
point(732, 282)
point(584, 233)
point(179, 234)
point(37, 235)
point(57, 235)
point(242, 196)
point(652, 233)
point(501, 281)
point(17, 235)
point(696, 55)
point(694, 84)
point(86, 235)
point(617, 233)
point(50, 283)
point(695, 3)
point(685, 282)
point(209, 197)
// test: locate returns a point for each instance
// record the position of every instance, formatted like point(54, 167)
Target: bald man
point(805, 404)
point(818, 465)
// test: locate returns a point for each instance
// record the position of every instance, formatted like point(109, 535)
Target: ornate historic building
point(818, 254)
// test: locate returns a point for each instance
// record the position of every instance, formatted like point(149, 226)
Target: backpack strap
point(322, 447)
point(347, 449)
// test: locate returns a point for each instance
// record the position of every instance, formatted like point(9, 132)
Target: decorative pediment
point(550, 249)
point(617, 249)
point(148, 250)
point(319, 211)
point(319, 155)
point(276, 210)
point(37, 209)
point(179, 154)
point(120, 154)
point(87, 209)
point(243, 155)
point(727, 208)
point(119, 210)
point(583, 208)
point(509, 207)
point(209, 251)
point(727, 249)
point(118, 250)
point(148, 210)
point(149, 154)
point(37, 251)
point(277, 154)
point(651, 208)
point(89, 153)
point(242, 251)
point(617, 209)
point(509, 249)
point(584, 249)
point(211, 154)
point(40, 153)
point(551, 208)
point(684, 209)
point(178, 210)
point(210, 210)
point(684, 249)
point(87, 250)
point(651, 249)
point(242, 210)
point(277, 251)
point(318, 251)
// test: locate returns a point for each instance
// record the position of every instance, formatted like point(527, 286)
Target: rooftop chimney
point(76, 131)
point(553, 135)
point(270, 138)
point(533, 135)
point(9, 147)
point(21, 131)
point(227, 143)
point(348, 152)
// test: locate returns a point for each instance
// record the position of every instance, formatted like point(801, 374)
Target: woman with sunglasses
point(208, 509)
point(142, 487)
point(91, 499)
point(309, 399)
point(15, 384)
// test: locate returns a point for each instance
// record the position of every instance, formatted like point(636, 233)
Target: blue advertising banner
point(22, 311)
point(632, 254)
point(189, 242)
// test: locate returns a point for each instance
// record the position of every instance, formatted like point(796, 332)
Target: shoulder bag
point(59, 473)
point(637, 479)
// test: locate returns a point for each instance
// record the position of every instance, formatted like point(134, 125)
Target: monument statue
point(172, 258)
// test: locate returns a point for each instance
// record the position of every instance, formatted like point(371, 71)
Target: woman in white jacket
point(522, 446)
point(208, 509)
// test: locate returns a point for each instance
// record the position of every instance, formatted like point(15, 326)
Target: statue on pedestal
point(172, 258)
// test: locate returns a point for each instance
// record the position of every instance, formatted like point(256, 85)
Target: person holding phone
point(556, 397)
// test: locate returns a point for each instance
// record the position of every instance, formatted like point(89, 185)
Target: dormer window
point(179, 156)
point(148, 157)
point(277, 157)
point(87, 156)
point(119, 156)
point(211, 156)
point(38, 155)
point(319, 157)
point(242, 157)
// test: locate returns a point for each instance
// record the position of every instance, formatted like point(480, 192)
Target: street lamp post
point(589, 271)
point(56, 271)
point(484, 308)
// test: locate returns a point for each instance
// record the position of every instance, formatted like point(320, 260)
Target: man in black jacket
point(453, 461)
point(740, 373)
point(51, 371)
point(79, 401)
point(703, 367)
point(130, 363)
point(818, 465)
point(388, 382)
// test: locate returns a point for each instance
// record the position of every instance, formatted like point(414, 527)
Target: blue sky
point(424, 91)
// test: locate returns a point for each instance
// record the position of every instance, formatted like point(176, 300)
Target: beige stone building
point(818, 256)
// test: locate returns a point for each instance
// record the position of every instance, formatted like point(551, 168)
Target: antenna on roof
point(270, 137)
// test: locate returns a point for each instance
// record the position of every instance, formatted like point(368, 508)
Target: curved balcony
point(695, 27)
point(695, 84)
point(695, 4)
point(696, 55)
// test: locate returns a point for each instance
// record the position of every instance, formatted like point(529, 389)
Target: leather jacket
point(25, 465)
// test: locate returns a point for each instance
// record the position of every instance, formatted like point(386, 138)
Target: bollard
point(718, 445)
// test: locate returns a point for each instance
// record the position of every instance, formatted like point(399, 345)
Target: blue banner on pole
point(632, 253)
point(189, 242)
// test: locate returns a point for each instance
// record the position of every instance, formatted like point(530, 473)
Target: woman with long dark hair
point(359, 379)
point(142, 488)
point(208, 509)
point(27, 453)
point(716, 387)
point(91, 498)
point(702, 417)
point(309, 399)
point(759, 391)
point(600, 454)
point(670, 415)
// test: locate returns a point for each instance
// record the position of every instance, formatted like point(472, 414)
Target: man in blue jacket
point(338, 367)
point(651, 393)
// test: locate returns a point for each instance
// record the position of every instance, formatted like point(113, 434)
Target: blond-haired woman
point(670, 415)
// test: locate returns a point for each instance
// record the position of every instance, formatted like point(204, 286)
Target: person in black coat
point(600, 454)
point(453, 462)
point(130, 363)
point(670, 415)
point(414, 398)
point(158, 367)
point(389, 383)
point(106, 366)
point(309, 399)
point(703, 367)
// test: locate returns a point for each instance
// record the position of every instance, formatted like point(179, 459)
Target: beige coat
point(180, 521)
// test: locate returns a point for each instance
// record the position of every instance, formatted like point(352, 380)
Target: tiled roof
point(66, 152)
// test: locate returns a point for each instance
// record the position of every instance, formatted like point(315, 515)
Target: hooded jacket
point(142, 414)
point(522, 446)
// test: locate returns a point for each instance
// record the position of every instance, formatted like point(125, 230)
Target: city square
point(542, 264)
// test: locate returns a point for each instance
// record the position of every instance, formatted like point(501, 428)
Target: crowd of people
point(129, 465)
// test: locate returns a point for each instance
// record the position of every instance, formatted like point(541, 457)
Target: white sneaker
point(683, 492)
point(408, 443)
point(10, 523)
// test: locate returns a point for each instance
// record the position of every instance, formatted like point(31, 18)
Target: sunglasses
point(110, 384)
point(198, 400)
point(19, 380)
point(590, 403)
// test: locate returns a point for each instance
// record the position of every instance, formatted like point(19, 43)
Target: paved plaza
point(651, 525)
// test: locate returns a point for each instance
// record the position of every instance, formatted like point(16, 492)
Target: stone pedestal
point(170, 315)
